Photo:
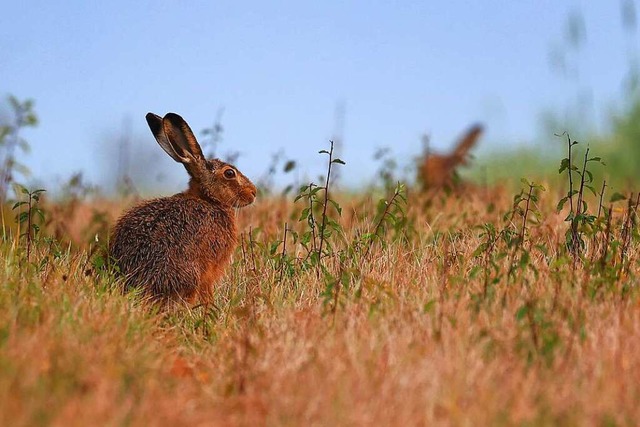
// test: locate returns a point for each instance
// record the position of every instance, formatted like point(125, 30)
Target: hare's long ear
point(155, 124)
point(468, 141)
point(181, 137)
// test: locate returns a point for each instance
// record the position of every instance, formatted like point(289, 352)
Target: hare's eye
point(229, 174)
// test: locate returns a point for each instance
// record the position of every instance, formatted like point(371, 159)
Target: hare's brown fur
point(176, 248)
point(438, 170)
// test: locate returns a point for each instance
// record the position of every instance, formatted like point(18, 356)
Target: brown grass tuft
point(423, 331)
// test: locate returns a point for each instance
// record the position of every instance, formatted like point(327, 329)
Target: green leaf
point(315, 190)
point(287, 189)
point(474, 271)
point(274, 247)
point(564, 164)
point(429, 305)
point(333, 223)
point(480, 249)
point(522, 312)
point(22, 217)
point(616, 197)
point(337, 206)
point(304, 214)
point(289, 166)
point(338, 161)
point(589, 175)
point(306, 238)
point(561, 203)
point(524, 260)
point(98, 262)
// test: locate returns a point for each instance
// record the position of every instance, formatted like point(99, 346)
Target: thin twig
point(376, 230)
point(594, 241)
point(524, 216)
point(253, 258)
point(607, 237)
point(312, 220)
point(323, 224)
point(570, 174)
point(284, 252)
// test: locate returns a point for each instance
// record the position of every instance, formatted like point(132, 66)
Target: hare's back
point(174, 240)
point(173, 223)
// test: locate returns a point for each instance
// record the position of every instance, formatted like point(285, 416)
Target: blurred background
point(268, 84)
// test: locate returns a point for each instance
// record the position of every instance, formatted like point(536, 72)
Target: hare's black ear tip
point(152, 118)
point(154, 121)
point(478, 127)
point(174, 118)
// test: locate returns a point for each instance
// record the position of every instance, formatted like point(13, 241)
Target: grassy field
point(479, 307)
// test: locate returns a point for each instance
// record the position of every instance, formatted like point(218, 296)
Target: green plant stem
point(323, 224)
point(524, 216)
point(381, 220)
point(570, 174)
point(284, 253)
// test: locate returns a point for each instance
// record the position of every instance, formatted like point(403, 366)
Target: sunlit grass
point(436, 323)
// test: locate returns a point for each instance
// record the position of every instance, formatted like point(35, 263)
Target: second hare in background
point(439, 170)
point(176, 248)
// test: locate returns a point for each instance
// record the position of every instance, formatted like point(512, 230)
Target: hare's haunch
point(438, 170)
point(176, 248)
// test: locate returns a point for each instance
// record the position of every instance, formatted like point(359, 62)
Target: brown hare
point(438, 170)
point(175, 248)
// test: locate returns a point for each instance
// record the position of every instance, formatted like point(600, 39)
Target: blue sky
point(279, 69)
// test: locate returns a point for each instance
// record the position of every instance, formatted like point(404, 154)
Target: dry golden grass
point(414, 335)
